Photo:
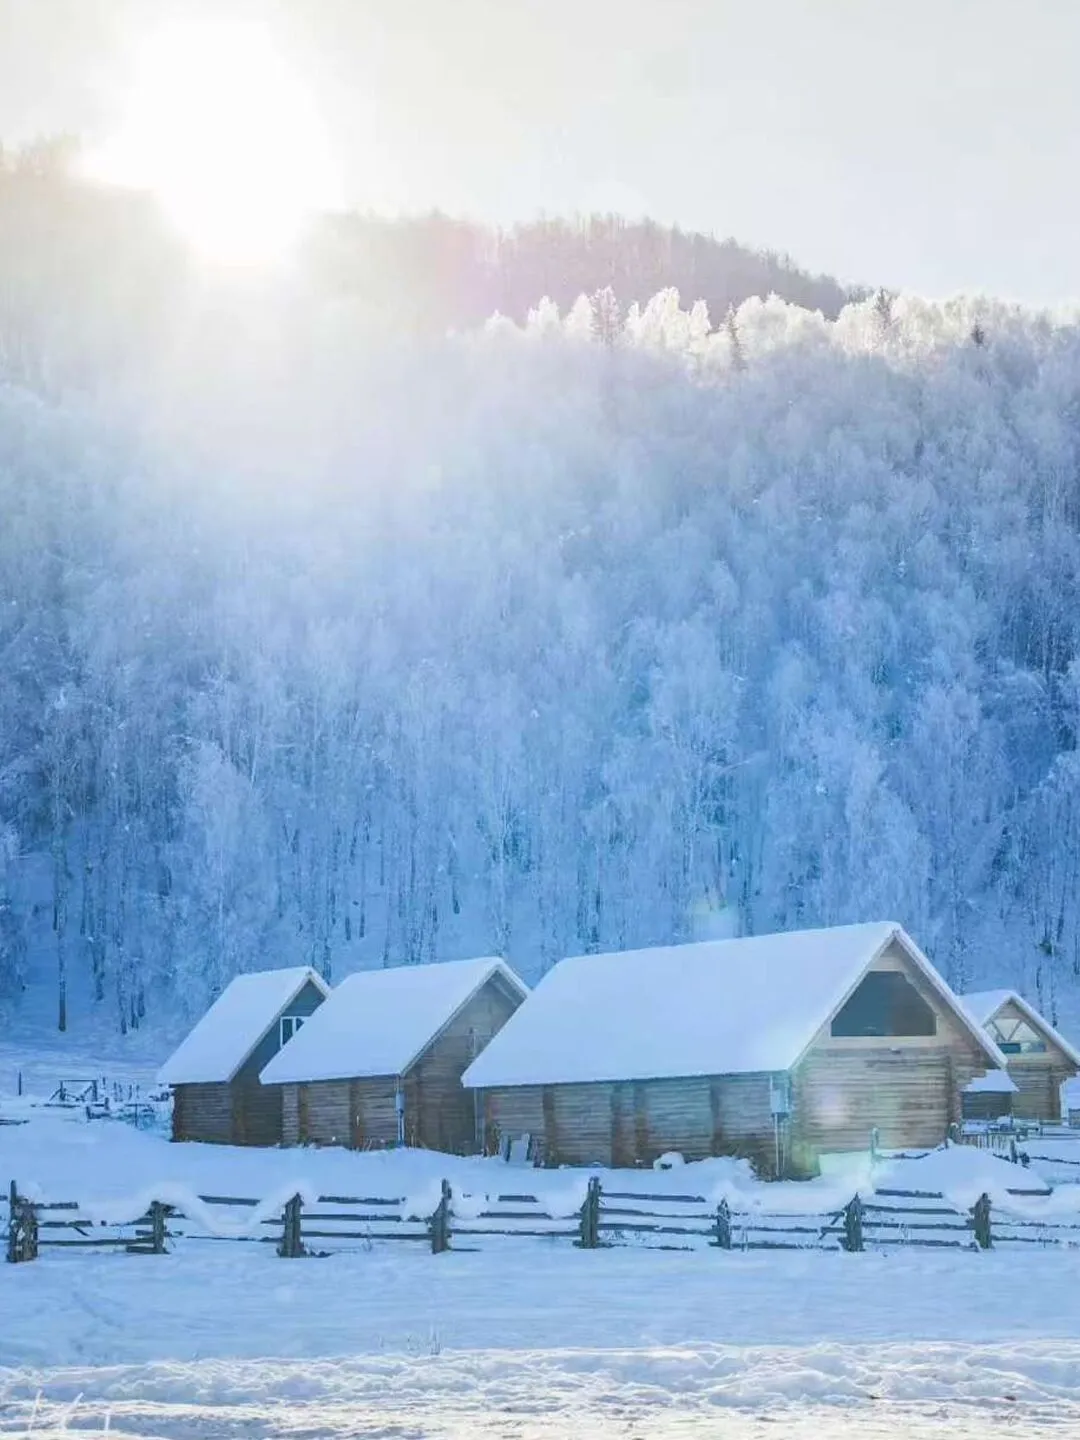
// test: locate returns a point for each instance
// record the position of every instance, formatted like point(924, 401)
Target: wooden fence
point(606, 1218)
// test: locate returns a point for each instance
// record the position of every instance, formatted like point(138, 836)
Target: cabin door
point(622, 1127)
point(356, 1117)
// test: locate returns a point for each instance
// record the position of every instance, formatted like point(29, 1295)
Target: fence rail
point(329, 1224)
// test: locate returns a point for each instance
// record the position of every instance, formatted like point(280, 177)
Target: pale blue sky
point(931, 145)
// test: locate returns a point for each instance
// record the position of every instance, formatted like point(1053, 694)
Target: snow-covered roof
point(983, 1005)
point(235, 1023)
point(379, 1022)
point(994, 1082)
point(721, 1007)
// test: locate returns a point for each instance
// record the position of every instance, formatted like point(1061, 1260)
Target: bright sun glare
point(220, 128)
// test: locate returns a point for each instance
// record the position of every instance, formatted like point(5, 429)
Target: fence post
point(875, 1136)
point(157, 1227)
point(853, 1225)
point(980, 1216)
point(22, 1242)
point(723, 1226)
point(589, 1234)
point(292, 1244)
point(13, 1222)
point(440, 1222)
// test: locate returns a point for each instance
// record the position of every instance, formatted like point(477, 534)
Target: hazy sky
point(925, 144)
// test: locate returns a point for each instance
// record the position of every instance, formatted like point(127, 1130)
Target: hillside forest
point(341, 624)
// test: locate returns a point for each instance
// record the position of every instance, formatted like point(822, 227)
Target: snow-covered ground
point(517, 1337)
point(822, 1391)
point(527, 1341)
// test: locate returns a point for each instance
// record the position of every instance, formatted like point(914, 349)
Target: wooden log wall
point(321, 1114)
point(440, 1113)
point(1038, 1081)
point(257, 1111)
point(374, 1112)
point(633, 1123)
point(203, 1112)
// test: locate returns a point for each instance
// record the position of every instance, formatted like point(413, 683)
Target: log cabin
point(1038, 1058)
point(214, 1074)
point(381, 1062)
point(779, 1048)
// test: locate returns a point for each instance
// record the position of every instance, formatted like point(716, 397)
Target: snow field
point(737, 1393)
point(522, 1337)
point(225, 1301)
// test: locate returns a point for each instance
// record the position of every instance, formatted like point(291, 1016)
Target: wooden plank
point(470, 1229)
point(768, 1245)
point(903, 1210)
point(113, 1240)
point(708, 1215)
point(232, 1239)
point(775, 1229)
point(359, 1200)
point(652, 1198)
point(869, 1225)
point(1001, 1223)
point(228, 1200)
point(1027, 1240)
point(938, 1244)
point(512, 1215)
point(357, 1215)
point(361, 1235)
point(638, 1227)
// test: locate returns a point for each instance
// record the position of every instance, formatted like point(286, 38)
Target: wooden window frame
point(296, 1021)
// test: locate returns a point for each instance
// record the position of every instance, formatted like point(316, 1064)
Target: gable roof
point(983, 1005)
point(379, 1022)
point(238, 1019)
point(720, 1007)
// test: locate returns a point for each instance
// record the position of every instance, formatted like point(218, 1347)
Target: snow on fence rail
point(311, 1224)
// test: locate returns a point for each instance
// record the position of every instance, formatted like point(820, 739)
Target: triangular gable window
point(1015, 1036)
point(885, 1003)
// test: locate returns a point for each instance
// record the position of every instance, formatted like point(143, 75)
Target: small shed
point(381, 1062)
point(779, 1048)
point(1038, 1058)
point(214, 1074)
point(989, 1097)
